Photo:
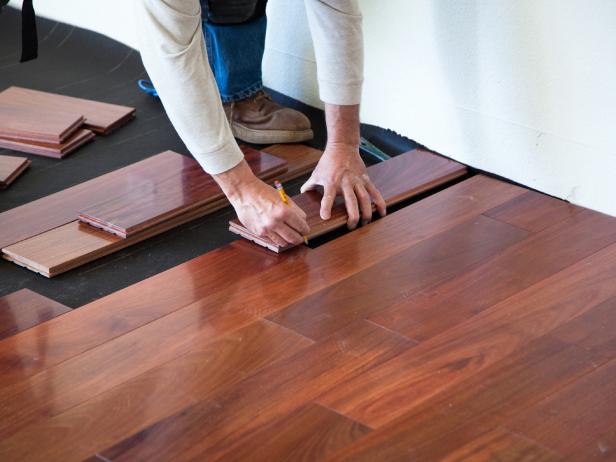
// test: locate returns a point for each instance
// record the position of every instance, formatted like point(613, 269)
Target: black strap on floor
point(29, 39)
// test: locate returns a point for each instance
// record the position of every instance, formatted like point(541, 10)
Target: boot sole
point(250, 135)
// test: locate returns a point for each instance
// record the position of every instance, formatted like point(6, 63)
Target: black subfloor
point(82, 63)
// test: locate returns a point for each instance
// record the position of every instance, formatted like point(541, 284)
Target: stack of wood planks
point(475, 324)
point(126, 206)
point(10, 168)
point(398, 179)
point(54, 125)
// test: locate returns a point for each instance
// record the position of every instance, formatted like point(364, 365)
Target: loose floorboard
point(101, 118)
point(60, 208)
point(30, 124)
point(399, 178)
point(334, 354)
point(24, 309)
point(10, 168)
point(162, 194)
point(57, 151)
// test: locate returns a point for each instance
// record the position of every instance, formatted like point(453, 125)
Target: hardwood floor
point(477, 324)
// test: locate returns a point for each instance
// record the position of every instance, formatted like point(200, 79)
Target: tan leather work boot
point(260, 120)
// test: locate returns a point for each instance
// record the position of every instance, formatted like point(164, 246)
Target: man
point(174, 54)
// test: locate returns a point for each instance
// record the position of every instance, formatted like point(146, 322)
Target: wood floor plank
point(399, 178)
point(311, 433)
point(165, 194)
point(503, 446)
point(28, 124)
point(603, 448)
point(184, 338)
point(121, 312)
point(57, 151)
point(462, 412)
point(62, 207)
point(211, 403)
point(574, 417)
point(24, 309)
point(99, 117)
point(439, 308)
point(534, 211)
point(475, 344)
point(436, 259)
point(10, 168)
point(300, 158)
point(594, 330)
point(247, 277)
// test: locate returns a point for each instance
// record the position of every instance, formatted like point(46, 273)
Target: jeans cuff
point(243, 94)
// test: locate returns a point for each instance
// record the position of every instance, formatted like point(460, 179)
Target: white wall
point(522, 88)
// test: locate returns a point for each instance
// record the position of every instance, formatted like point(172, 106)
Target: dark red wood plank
point(29, 124)
point(24, 309)
point(10, 168)
point(447, 421)
point(399, 178)
point(57, 151)
point(62, 207)
point(534, 211)
point(215, 405)
point(575, 416)
point(161, 195)
point(439, 308)
point(99, 117)
point(464, 350)
point(436, 259)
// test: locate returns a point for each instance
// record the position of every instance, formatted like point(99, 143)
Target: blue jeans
point(235, 53)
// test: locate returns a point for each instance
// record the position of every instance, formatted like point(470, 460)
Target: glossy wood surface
point(399, 178)
point(10, 168)
point(31, 124)
point(24, 309)
point(57, 151)
point(243, 354)
point(162, 194)
point(301, 159)
point(66, 247)
point(99, 117)
point(63, 207)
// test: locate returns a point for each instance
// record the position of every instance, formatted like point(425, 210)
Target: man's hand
point(260, 208)
point(342, 171)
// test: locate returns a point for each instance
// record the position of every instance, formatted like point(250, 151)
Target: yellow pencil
point(283, 196)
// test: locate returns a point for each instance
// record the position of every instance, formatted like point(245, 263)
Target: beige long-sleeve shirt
point(174, 54)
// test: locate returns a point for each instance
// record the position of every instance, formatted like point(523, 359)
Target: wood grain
point(220, 344)
point(10, 168)
point(160, 195)
point(301, 159)
point(30, 124)
point(310, 433)
point(62, 207)
point(101, 118)
point(466, 410)
point(397, 179)
point(503, 446)
point(575, 416)
point(57, 151)
point(24, 309)
point(435, 259)
point(435, 310)
point(473, 345)
point(203, 413)
point(534, 211)
point(244, 274)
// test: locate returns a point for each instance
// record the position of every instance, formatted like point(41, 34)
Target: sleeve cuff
point(222, 159)
point(346, 94)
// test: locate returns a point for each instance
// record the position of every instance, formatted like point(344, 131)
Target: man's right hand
point(260, 208)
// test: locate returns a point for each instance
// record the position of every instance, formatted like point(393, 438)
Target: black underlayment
point(82, 63)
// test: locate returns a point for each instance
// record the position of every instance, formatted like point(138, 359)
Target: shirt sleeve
point(173, 52)
point(336, 28)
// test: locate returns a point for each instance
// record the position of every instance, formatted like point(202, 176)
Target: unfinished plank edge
point(13, 176)
point(56, 151)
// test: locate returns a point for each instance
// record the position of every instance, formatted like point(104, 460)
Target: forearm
point(342, 125)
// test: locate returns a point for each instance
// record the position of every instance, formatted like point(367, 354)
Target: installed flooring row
point(476, 324)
